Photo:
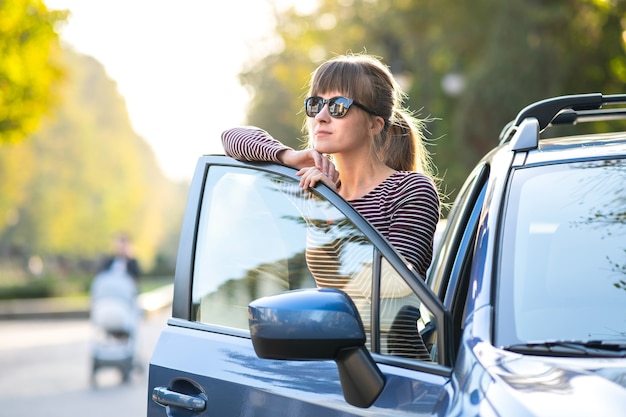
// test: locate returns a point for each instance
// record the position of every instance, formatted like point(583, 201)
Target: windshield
point(563, 263)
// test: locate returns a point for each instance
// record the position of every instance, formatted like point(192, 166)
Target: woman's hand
point(312, 175)
point(309, 158)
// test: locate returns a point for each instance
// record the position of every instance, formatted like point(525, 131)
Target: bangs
point(345, 77)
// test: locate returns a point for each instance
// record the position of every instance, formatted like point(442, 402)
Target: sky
point(176, 64)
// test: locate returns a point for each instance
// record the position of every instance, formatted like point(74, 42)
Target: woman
point(366, 146)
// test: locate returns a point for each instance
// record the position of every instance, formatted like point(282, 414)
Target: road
point(45, 369)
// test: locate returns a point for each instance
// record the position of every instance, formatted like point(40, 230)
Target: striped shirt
point(404, 208)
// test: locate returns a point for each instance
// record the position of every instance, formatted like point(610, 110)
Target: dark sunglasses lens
point(313, 105)
point(338, 106)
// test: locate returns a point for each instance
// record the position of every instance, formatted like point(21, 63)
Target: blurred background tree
point(30, 65)
point(73, 172)
point(471, 65)
point(89, 176)
point(85, 175)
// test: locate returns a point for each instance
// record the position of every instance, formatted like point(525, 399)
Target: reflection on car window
point(260, 234)
point(250, 244)
point(406, 327)
point(563, 272)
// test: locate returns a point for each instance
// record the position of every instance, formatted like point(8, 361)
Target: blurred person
point(122, 259)
point(115, 312)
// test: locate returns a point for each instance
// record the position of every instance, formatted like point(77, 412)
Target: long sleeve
point(414, 221)
point(405, 209)
point(251, 144)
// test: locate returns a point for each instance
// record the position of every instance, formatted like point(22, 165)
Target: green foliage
point(508, 53)
point(29, 65)
point(84, 176)
point(40, 288)
point(75, 286)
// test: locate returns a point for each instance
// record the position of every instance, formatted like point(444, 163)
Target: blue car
point(523, 312)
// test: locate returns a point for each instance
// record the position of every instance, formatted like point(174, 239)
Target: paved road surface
point(45, 370)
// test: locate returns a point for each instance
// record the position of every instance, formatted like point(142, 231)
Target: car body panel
point(237, 382)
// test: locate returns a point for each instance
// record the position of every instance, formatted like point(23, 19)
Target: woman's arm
point(254, 144)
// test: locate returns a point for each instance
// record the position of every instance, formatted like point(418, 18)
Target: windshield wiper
point(591, 348)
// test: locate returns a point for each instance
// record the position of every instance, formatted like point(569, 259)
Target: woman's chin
point(322, 148)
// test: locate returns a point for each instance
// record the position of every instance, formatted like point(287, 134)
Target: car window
point(251, 242)
point(458, 235)
point(260, 234)
point(564, 254)
point(451, 272)
point(407, 328)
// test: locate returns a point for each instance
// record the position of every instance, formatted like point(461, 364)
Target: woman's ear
point(378, 123)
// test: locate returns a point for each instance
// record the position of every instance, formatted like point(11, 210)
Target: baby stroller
point(115, 317)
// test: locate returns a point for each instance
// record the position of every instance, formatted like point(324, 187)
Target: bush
point(40, 288)
point(75, 286)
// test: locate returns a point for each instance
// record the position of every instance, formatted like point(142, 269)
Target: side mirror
point(318, 324)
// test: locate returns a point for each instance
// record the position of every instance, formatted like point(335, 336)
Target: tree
point(86, 175)
point(509, 54)
point(29, 65)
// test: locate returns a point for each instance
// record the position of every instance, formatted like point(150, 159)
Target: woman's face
point(352, 133)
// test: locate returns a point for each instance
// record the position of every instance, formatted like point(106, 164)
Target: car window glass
point(466, 204)
point(260, 234)
point(249, 245)
point(564, 254)
point(406, 326)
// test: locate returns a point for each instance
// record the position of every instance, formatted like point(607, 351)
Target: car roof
point(598, 146)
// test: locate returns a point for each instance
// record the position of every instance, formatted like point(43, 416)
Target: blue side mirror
point(317, 324)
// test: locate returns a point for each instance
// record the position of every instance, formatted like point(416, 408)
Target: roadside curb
point(77, 307)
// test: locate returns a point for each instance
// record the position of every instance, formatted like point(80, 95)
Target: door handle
point(166, 397)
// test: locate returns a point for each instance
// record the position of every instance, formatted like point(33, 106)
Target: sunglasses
point(337, 106)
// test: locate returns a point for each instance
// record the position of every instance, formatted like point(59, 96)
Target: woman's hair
point(364, 78)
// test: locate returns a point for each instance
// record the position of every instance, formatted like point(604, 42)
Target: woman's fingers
point(331, 171)
point(325, 165)
point(309, 158)
point(310, 176)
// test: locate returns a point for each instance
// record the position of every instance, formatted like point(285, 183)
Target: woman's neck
point(358, 178)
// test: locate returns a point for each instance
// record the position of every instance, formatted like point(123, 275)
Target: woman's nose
point(323, 114)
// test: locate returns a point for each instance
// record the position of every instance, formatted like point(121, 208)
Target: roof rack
point(560, 110)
